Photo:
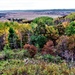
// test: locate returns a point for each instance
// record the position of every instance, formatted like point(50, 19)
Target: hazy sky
point(36, 4)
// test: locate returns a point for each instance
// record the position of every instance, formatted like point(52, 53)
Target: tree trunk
point(72, 58)
point(29, 37)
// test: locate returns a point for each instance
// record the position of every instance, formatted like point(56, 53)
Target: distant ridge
point(32, 14)
point(6, 11)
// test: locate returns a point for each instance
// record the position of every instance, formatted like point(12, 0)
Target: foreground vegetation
point(19, 67)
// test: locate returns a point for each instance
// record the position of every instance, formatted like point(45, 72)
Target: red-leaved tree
point(31, 49)
point(48, 48)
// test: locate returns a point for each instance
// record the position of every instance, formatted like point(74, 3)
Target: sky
point(36, 4)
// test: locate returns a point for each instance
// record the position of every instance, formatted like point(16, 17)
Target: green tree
point(70, 30)
point(12, 38)
point(44, 19)
point(38, 40)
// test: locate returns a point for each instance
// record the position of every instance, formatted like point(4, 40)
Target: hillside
point(40, 46)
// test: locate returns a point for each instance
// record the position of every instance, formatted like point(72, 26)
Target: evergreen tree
point(12, 38)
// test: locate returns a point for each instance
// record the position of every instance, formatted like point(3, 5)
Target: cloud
point(36, 4)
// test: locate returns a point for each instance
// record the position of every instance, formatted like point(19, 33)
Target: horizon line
point(38, 9)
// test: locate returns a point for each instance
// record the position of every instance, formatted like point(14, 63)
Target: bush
point(31, 49)
point(9, 54)
point(14, 54)
point(48, 48)
point(50, 58)
point(6, 47)
point(20, 54)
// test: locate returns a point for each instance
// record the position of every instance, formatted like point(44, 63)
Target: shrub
point(6, 47)
point(50, 58)
point(14, 54)
point(48, 48)
point(31, 49)
point(19, 54)
point(9, 54)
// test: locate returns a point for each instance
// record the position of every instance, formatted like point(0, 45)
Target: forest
point(44, 46)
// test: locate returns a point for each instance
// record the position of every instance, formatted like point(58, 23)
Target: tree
point(70, 30)
point(52, 33)
point(41, 29)
point(71, 46)
point(61, 29)
point(12, 38)
point(26, 31)
point(48, 48)
point(44, 19)
point(38, 40)
point(41, 24)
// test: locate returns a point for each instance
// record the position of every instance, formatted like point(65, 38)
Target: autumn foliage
point(48, 48)
point(31, 49)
